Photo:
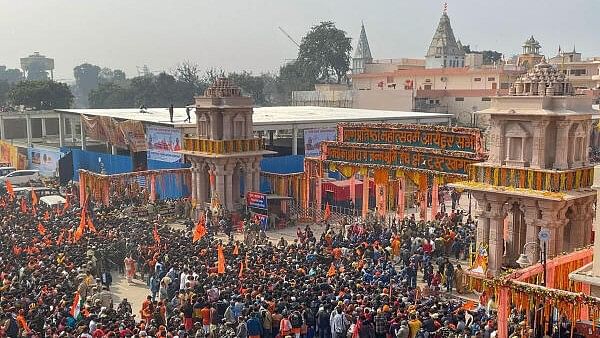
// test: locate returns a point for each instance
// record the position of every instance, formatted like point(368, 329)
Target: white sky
point(243, 34)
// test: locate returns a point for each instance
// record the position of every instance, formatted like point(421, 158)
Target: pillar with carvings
point(562, 145)
point(538, 159)
point(496, 241)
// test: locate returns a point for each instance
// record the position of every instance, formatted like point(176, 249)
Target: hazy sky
point(243, 34)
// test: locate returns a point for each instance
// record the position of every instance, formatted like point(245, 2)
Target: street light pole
point(544, 263)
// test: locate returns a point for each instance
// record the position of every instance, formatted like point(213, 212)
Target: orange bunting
point(200, 230)
point(327, 213)
point(220, 260)
point(331, 272)
point(41, 229)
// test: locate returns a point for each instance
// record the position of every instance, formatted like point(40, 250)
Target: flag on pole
point(155, 234)
point(331, 272)
point(76, 307)
point(90, 225)
point(200, 230)
point(327, 213)
point(9, 189)
point(23, 206)
point(34, 198)
point(241, 274)
point(41, 229)
point(220, 260)
point(236, 250)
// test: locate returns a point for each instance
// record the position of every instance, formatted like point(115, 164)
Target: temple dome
point(223, 87)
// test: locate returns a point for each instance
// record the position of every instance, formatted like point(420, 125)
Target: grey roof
point(362, 48)
point(444, 38)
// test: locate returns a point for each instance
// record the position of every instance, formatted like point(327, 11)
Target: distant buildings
point(449, 79)
point(37, 66)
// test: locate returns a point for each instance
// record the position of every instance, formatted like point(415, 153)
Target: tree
point(325, 53)
point(39, 95)
point(10, 75)
point(292, 78)
point(491, 56)
point(189, 73)
point(253, 86)
point(111, 95)
point(4, 89)
point(86, 80)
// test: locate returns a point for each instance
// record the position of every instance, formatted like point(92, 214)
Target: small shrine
point(224, 153)
point(534, 188)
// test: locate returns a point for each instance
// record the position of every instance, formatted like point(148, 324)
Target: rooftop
point(271, 118)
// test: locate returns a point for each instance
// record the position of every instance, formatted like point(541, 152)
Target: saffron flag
point(200, 230)
point(16, 250)
point(23, 206)
point(236, 250)
point(46, 216)
point(60, 237)
point(90, 225)
point(469, 305)
point(155, 234)
point(331, 272)
point(241, 274)
point(9, 189)
point(327, 213)
point(41, 229)
point(75, 311)
point(220, 260)
point(34, 198)
point(67, 205)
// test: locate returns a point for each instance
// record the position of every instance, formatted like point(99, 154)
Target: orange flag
point(236, 250)
point(66, 206)
point(327, 213)
point(41, 229)
point(331, 272)
point(220, 260)
point(9, 189)
point(34, 198)
point(241, 274)
point(469, 305)
point(155, 234)
point(90, 225)
point(16, 250)
point(200, 230)
point(23, 206)
point(60, 237)
point(46, 216)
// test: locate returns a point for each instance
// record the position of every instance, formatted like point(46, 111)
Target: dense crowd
point(355, 280)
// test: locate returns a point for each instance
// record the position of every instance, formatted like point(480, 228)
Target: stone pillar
point(28, 125)
point(203, 185)
point(83, 141)
point(44, 129)
point(496, 143)
point(562, 145)
point(256, 176)
point(236, 185)
point(195, 183)
point(248, 179)
point(229, 190)
point(496, 240)
point(538, 157)
point(295, 140)
point(220, 183)
point(227, 127)
point(586, 142)
point(61, 130)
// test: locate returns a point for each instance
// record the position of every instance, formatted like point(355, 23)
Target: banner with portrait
point(163, 144)
point(46, 161)
point(313, 139)
point(127, 134)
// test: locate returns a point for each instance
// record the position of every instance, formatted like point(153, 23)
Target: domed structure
point(542, 80)
point(531, 53)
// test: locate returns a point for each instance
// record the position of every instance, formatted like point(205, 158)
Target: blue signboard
point(256, 200)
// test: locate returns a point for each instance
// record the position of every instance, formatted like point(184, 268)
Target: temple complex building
point(536, 181)
point(224, 153)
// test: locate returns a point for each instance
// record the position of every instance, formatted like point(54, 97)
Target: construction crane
point(288, 36)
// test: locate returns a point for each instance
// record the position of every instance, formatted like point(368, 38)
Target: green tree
point(4, 89)
point(325, 53)
point(292, 77)
point(491, 56)
point(253, 86)
point(111, 95)
point(41, 95)
point(86, 80)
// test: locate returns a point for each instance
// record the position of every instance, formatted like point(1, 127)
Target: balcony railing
point(222, 146)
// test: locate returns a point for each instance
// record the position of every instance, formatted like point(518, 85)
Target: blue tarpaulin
point(291, 164)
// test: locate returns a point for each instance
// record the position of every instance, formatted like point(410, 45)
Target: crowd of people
point(354, 280)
